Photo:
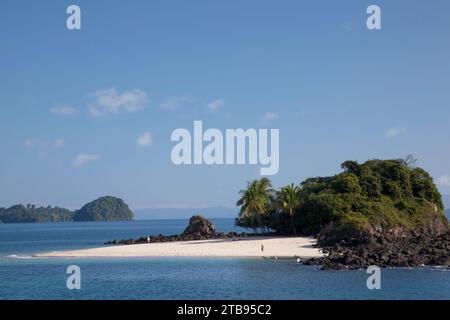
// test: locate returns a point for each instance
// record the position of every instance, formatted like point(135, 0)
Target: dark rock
point(199, 226)
point(387, 252)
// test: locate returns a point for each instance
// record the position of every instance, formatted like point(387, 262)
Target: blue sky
point(74, 103)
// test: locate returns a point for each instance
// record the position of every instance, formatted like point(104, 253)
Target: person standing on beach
point(262, 248)
point(148, 239)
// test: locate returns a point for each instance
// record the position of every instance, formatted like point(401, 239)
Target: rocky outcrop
point(199, 225)
point(430, 225)
point(199, 228)
point(382, 251)
point(426, 243)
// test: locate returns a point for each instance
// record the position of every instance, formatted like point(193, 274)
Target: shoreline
point(273, 247)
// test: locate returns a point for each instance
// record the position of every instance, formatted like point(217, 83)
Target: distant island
point(106, 208)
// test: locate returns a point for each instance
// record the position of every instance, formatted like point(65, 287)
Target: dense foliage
point(30, 213)
point(375, 195)
point(104, 208)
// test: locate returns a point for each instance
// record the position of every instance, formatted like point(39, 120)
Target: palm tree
point(255, 201)
point(288, 201)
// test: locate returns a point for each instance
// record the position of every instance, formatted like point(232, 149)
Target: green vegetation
point(105, 208)
point(375, 196)
point(20, 213)
point(255, 204)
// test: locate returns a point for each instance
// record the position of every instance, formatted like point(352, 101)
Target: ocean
point(25, 277)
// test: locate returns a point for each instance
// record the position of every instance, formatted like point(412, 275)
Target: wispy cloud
point(30, 142)
point(144, 139)
point(270, 116)
point(176, 102)
point(215, 105)
point(110, 101)
point(44, 144)
point(84, 158)
point(393, 132)
point(59, 143)
point(443, 180)
point(63, 111)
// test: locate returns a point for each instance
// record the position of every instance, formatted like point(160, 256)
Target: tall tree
point(255, 202)
point(288, 201)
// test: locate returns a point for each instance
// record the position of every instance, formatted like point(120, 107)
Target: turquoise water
point(23, 277)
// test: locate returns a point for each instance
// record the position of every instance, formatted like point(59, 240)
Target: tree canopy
point(19, 213)
point(375, 195)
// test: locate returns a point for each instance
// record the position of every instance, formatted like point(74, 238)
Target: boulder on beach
point(199, 225)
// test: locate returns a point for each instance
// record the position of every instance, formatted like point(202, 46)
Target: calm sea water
point(24, 277)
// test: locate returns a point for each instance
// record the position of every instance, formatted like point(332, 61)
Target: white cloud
point(215, 105)
point(270, 116)
point(144, 139)
point(443, 181)
point(110, 101)
point(392, 132)
point(174, 103)
point(83, 158)
point(64, 111)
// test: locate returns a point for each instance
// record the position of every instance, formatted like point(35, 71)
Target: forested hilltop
point(382, 212)
point(375, 196)
point(102, 209)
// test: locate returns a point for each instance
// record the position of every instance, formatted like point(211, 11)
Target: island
point(106, 208)
point(387, 213)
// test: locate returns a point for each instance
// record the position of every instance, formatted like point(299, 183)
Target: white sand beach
point(281, 247)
